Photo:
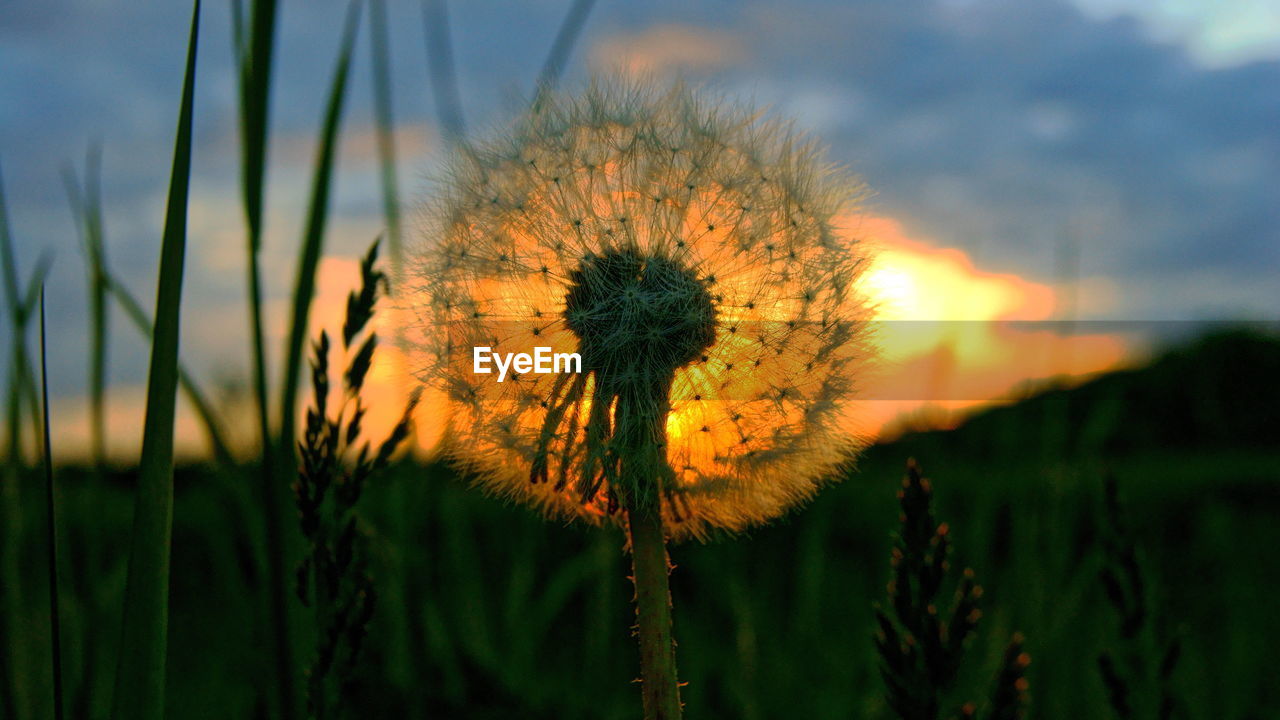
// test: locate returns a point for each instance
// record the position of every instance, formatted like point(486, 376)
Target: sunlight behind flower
point(949, 332)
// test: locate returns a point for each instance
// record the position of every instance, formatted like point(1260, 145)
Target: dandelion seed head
point(688, 251)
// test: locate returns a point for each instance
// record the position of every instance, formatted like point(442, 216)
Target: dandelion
point(688, 252)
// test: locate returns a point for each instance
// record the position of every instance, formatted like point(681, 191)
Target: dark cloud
point(1013, 125)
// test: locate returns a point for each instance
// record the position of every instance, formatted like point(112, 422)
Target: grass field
point(484, 610)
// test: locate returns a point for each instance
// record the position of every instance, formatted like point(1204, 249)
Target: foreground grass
point(485, 613)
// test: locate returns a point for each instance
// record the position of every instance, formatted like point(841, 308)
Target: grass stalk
point(22, 306)
point(313, 234)
point(15, 702)
point(921, 642)
point(562, 46)
point(380, 51)
point(20, 391)
point(254, 50)
point(140, 673)
point(186, 381)
point(55, 619)
point(87, 208)
point(444, 78)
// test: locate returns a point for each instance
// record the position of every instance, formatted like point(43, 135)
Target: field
point(486, 611)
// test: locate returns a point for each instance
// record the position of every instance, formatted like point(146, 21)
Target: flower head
point(687, 252)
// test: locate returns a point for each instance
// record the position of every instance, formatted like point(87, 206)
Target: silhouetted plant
point(336, 463)
point(921, 644)
point(690, 254)
point(1136, 686)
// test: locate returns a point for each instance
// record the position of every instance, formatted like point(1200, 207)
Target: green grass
point(312, 244)
point(384, 123)
point(501, 615)
point(140, 674)
point(254, 45)
point(51, 526)
point(15, 633)
point(86, 206)
point(195, 395)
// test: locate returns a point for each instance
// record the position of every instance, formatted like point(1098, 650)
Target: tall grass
point(254, 47)
point(444, 79)
point(922, 642)
point(140, 675)
point(15, 634)
point(86, 206)
point(198, 398)
point(384, 124)
point(566, 37)
point(22, 306)
point(1138, 667)
point(337, 463)
point(313, 234)
point(51, 525)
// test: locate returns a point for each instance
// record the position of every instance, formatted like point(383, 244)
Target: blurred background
point(1076, 212)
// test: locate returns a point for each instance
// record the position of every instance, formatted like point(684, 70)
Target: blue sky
point(1141, 137)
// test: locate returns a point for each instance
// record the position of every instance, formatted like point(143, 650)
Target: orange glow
point(910, 280)
point(942, 347)
point(946, 354)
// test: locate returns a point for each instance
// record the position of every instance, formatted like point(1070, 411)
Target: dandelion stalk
point(650, 567)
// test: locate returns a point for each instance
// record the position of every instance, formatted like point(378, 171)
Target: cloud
point(1217, 34)
point(663, 49)
point(1026, 131)
point(1041, 140)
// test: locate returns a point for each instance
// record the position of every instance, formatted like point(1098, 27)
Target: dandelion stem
point(641, 430)
point(660, 689)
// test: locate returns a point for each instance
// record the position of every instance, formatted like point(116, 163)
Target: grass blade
point(255, 81)
point(140, 674)
point(380, 50)
point(55, 622)
point(254, 54)
point(13, 634)
point(313, 236)
point(255, 96)
point(562, 46)
point(186, 381)
point(444, 78)
point(21, 306)
point(87, 208)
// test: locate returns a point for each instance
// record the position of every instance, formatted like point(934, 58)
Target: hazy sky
point(1140, 137)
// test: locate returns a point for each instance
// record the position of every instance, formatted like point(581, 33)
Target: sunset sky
point(1047, 160)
